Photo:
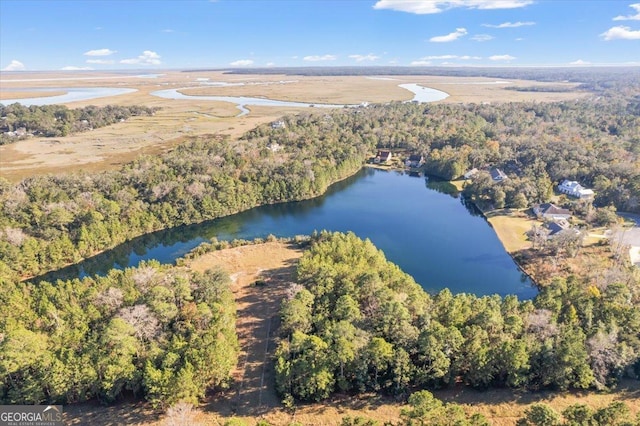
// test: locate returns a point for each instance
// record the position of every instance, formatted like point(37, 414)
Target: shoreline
point(37, 278)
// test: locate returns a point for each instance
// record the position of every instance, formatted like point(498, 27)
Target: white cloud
point(620, 32)
point(579, 62)
point(429, 58)
point(420, 63)
point(369, 57)
point(100, 52)
point(482, 37)
point(636, 17)
point(510, 24)
point(425, 7)
point(168, 30)
point(437, 57)
point(101, 61)
point(241, 63)
point(148, 57)
point(502, 58)
point(317, 58)
point(270, 64)
point(459, 32)
point(14, 66)
point(72, 68)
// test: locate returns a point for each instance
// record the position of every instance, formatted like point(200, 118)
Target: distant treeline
point(356, 323)
point(596, 79)
point(549, 89)
point(58, 120)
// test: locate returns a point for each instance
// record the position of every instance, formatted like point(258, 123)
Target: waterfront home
point(382, 157)
point(414, 160)
point(471, 173)
point(497, 175)
point(551, 211)
point(574, 189)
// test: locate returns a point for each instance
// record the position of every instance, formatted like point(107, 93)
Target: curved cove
point(422, 226)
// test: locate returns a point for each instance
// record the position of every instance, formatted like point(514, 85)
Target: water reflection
point(427, 228)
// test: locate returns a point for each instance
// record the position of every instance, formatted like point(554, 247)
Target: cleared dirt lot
point(258, 307)
point(109, 147)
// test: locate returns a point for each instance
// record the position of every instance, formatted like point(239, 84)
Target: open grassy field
point(511, 228)
point(109, 147)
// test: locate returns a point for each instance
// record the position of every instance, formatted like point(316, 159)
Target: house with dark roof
point(551, 212)
point(414, 160)
point(498, 175)
point(382, 157)
point(557, 226)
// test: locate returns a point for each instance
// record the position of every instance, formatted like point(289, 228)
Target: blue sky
point(145, 34)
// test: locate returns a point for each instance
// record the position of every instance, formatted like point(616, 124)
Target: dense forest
point(354, 322)
point(18, 121)
point(596, 142)
point(163, 333)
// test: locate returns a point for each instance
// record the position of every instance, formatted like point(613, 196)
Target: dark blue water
point(420, 225)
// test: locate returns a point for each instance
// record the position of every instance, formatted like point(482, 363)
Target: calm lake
point(429, 233)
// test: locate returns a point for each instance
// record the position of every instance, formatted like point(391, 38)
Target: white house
point(573, 188)
point(278, 124)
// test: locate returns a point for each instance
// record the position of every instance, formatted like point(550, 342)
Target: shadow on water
point(441, 186)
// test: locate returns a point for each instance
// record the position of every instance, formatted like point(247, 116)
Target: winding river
point(73, 94)
point(421, 94)
point(421, 225)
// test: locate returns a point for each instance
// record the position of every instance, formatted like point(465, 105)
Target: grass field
point(511, 228)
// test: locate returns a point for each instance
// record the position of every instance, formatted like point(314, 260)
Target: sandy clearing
point(253, 392)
